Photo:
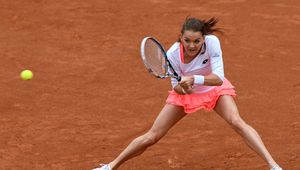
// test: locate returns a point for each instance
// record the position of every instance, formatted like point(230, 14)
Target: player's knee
point(237, 123)
point(151, 138)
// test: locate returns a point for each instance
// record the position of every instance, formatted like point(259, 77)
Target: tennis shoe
point(276, 168)
point(103, 167)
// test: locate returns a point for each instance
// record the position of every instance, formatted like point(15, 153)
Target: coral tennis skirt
point(196, 101)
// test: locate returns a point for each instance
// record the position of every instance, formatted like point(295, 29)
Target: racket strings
point(155, 58)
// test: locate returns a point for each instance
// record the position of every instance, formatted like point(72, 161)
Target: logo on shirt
point(205, 61)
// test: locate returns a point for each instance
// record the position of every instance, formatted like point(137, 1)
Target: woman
point(197, 57)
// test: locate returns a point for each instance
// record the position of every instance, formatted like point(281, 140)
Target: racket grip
point(178, 78)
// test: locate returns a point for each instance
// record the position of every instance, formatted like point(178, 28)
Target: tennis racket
point(155, 59)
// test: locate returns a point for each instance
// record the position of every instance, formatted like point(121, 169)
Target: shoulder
point(174, 49)
point(211, 39)
point(213, 45)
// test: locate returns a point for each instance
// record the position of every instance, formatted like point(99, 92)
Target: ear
point(203, 36)
point(180, 38)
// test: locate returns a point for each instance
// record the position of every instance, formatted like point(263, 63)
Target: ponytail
point(209, 26)
point(203, 26)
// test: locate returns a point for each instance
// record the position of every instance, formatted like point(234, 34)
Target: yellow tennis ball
point(26, 75)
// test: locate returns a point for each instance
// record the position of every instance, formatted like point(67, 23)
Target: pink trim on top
point(181, 53)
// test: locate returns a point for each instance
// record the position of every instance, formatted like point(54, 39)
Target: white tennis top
point(208, 61)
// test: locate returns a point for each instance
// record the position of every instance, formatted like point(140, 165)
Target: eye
point(197, 41)
point(187, 40)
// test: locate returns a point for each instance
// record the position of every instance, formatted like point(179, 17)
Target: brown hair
point(203, 26)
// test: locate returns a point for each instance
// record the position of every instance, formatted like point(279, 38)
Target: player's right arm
point(175, 85)
point(178, 89)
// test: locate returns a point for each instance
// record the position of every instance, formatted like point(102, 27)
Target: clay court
point(91, 94)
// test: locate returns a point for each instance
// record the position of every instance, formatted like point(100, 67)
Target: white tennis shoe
point(105, 167)
point(276, 168)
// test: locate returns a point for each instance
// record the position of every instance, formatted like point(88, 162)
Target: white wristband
point(198, 79)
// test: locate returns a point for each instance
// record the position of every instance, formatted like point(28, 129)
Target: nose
point(192, 45)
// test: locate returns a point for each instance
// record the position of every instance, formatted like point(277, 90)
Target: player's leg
point(227, 109)
point(167, 118)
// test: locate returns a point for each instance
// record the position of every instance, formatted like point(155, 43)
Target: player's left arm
point(216, 62)
point(209, 80)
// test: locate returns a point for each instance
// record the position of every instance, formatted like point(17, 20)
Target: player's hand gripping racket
point(155, 59)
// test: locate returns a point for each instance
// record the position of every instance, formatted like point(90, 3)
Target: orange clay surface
point(91, 95)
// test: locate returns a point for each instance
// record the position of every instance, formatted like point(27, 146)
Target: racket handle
point(178, 78)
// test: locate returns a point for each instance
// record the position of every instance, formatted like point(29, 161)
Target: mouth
point(192, 50)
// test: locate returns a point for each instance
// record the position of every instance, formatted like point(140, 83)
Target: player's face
point(192, 42)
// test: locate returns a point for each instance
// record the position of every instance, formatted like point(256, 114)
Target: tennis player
point(197, 58)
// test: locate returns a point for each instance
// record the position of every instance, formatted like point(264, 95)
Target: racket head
point(154, 57)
